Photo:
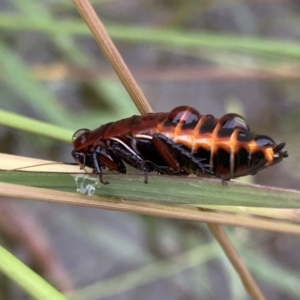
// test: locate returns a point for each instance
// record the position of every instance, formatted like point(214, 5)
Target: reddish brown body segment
point(180, 142)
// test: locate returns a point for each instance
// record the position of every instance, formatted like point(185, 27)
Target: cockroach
point(179, 142)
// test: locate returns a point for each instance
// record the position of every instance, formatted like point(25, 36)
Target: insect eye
point(184, 114)
point(264, 141)
point(79, 133)
point(232, 121)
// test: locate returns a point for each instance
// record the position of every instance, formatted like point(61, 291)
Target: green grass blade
point(161, 189)
point(109, 91)
point(33, 284)
point(169, 37)
point(33, 126)
point(18, 77)
point(156, 271)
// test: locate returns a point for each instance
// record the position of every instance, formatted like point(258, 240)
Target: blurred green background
point(218, 56)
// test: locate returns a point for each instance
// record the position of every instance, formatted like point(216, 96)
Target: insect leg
point(98, 168)
point(97, 159)
point(163, 146)
point(120, 149)
point(105, 158)
point(178, 157)
point(108, 159)
point(89, 160)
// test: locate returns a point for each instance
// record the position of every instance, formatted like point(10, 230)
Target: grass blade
point(33, 284)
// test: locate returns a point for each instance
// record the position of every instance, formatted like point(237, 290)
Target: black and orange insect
point(179, 142)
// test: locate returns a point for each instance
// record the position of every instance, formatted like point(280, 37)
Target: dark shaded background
point(95, 246)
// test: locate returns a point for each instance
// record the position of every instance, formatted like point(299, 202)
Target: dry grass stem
point(60, 71)
point(291, 214)
point(236, 261)
point(14, 162)
point(146, 208)
point(112, 54)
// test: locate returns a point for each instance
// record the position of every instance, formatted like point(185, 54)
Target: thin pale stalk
point(145, 208)
point(291, 214)
point(236, 261)
point(112, 54)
